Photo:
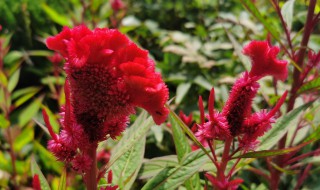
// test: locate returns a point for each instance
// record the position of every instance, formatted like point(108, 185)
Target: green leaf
point(201, 81)
point(172, 177)
point(135, 133)
point(126, 168)
point(268, 153)
point(287, 12)
point(4, 123)
point(311, 85)
point(281, 127)
point(36, 170)
point(47, 158)
point(13, 81)
point(20, 92)
point(182, 91)
point(25, 137)
point(256, 13)
point(43, 53)
point(182, 148)
point(63, 180)
point(26, 115)
point(3, 79)
point(153, 166)
point(56, 17)
point(12, 57)
point(187, 131)
point(238, 50)
point(315, 135)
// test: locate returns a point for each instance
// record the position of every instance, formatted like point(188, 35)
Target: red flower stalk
point(223, 185)
point(108, 75)
point(216, 127)
point(264, 62)
point(36, 182)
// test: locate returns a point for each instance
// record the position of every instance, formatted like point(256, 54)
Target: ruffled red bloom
point(264, 61)
point(109, 75)
point(56, 58)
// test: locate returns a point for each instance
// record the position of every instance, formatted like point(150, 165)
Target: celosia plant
point(236, 122)
point(107, 77)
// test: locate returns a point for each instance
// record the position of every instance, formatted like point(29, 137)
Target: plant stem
point(225, 159)
point(13, 160)
point(91, 176)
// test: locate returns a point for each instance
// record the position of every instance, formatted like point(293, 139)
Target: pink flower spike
point(36, 182)
point(278, 105)
point(110, 177)
point(201, 109)
point(186, 119)
point(67, 116)
point(264, 61)
point(211, 104)
point(48, 124)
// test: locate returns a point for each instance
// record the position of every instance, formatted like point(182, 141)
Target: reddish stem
point(302, 156)
point(225, 159)
point(303, 176)
point(91, 176)
point(213, 154)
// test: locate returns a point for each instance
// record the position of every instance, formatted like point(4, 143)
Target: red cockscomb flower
point(116, 5)
point(264, 61)
point(109, 75)
point(36, 181)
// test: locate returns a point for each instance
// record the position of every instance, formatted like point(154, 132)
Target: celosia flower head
point(109, 75)
point(264, 60)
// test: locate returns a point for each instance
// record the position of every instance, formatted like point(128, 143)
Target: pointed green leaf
point(27, 113)
point(4, 123)
point(56, 17)
point(3, 79)
point(13, 81)
point(172, 177)
point(182, 148)
point(63, 180)
point(256, 13)
point(126, 168)
point(311, 85)
point(134, 134)
point(24, 138)
point(153, 166)
point(287, 12)
point(182, 91)
point(36, 170)
point(281, 127)
point(188, 131)
point(268, 153)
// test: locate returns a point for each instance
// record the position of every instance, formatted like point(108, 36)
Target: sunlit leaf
point(172, 177)
point(182, 91)
point(135, 133)
point(26, 115)
point(311, 85)
point(13, 81)
point(56, 17)
point(153, 166)
point(4, 123)
point(63, 180)
point(183, 148)
point(25, 137)
point(287, 12)
point(268, 153)
point(281, 127)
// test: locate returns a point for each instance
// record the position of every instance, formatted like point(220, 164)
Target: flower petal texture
point(264, 61)
point(108, 75)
